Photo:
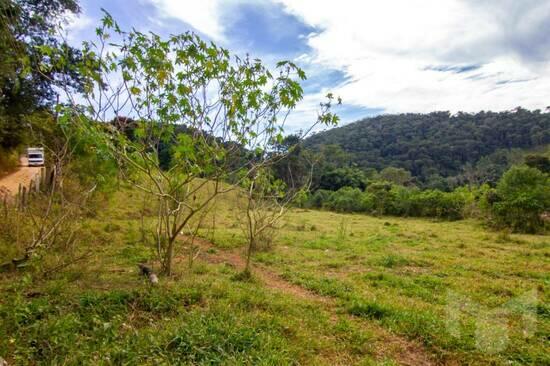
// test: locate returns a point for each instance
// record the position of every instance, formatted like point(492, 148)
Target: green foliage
point(9, 160)
point(370, 310)
point(175, 144)
point(29, 70)
point(343, 177)
point(490, 168)
point(438, 143)
point(539, 162)
point(383, 198)
point(346, 199)
point(397, 176)
point(521, 197)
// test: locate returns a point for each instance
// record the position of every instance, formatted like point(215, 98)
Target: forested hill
point(435, 144)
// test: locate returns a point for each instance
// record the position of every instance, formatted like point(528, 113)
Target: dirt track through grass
point(402, 350)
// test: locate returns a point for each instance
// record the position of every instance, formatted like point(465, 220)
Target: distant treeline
point(509, 187)
point(520, 201)
point(438, 148)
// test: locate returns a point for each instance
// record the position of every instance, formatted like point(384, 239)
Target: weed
point(370, 310)
point(342, 230)
point(392, 260)
point(243, 276)
point(111, 227)
point(504, 236)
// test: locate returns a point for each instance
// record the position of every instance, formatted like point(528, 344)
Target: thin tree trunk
point(249, 255)
point(168, 259)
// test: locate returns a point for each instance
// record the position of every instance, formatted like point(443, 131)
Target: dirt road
point(9, 185)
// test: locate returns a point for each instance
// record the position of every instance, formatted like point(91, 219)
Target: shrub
point(520, 199)
point(435, 203)
point(346, 200)
point(383, 198)
point(317, 199)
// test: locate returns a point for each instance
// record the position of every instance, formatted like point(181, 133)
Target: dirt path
point(9, 185)
point(402, 350)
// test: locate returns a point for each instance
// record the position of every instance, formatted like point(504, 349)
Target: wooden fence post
point(19, 197)
point(25, 198)
point(5, 202)
point(51, 179)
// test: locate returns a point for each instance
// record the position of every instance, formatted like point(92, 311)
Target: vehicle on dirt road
point(35, 156)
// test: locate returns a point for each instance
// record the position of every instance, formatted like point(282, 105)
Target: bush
point(346, 200)
point(317, 199)
point(435, 203)
point(383, 198)
point(343, 177)
point(521, 198)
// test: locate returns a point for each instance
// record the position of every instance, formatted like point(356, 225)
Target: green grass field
point(335, 289)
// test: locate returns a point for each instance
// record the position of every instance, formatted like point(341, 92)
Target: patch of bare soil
point(9, 185)
point(402, 350)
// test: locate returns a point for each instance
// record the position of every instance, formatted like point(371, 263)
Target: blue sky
point(390, 56)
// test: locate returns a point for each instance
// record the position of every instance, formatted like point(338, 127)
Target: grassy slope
point(383, 274)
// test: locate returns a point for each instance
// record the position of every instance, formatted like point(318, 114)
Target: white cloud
point(387, 47)
point(76, 26)
point(403, 55)
point(203, 15)
point(206, 16)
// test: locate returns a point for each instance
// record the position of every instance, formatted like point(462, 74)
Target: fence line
point(39, 183)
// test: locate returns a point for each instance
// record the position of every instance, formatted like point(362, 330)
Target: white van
point(35, 156)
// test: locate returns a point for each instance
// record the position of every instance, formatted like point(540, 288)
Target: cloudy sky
point(380, 56)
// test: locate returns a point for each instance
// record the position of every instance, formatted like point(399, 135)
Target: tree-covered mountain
point(438, 146)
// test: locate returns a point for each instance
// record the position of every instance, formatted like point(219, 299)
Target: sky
point(379, 56)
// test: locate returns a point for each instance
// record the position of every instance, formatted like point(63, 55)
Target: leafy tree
point(539, 162)
point(490, 168)
point(343, 177)
point(397, 176)
point(522, 196)
point(263, 200)
point(346, 199)
point(27, 29)
point(381, 196)
point(198, 100)
point(333, 156)
point(436, 181)
point(384, 198)
point(291, 162)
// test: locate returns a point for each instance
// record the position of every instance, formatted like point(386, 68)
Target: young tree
point(264, 200)
point(219, 114)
